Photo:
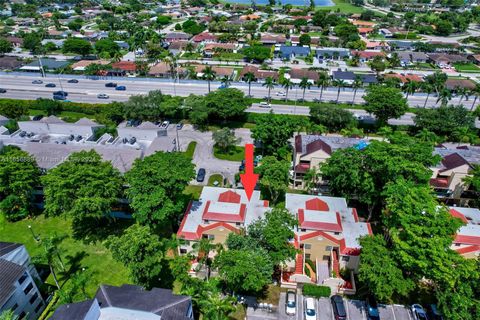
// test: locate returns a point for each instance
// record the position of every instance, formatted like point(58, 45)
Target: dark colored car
point(121, 88)
point(72, 81)
point(372, 308)
point(37, 117)
point(2, 90)
point(37, 81)
point(110, 85)
point(418, 312)
point(50, 85)
point(201, 175)
point(179, 126)
point(60, 93)
point(433, 312)
point(338, 307)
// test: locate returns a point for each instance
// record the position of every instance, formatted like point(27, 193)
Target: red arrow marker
point(249, 179)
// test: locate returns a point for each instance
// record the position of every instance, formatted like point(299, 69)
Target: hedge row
point(316, 291)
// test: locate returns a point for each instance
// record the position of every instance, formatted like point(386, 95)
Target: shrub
point(316, 291)
point(312, 264)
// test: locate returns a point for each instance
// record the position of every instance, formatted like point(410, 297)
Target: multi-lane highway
point(21, 87)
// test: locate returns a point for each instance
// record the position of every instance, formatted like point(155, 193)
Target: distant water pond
point(319, 3)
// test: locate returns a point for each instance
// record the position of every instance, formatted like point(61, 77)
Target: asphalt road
point(21, 87)
point(406, 119)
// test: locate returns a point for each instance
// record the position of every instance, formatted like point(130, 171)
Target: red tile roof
point(302, 167)
point(229, 196)
point(204, 36)
point(439, 182)
point(468, 249)
point(124, 65)
point(316, 204)
point(475, 240)
point(459, 215)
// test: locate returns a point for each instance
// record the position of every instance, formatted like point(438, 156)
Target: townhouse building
point(467, 240)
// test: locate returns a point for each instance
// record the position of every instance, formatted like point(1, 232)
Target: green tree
point(378, 65)
point(257, 53)
point(385, 103)
point(444, 120)
point(304, 85)
point(339, 83)
point(87, 202)
point(156, 183)
point(8, 315)
point(287, 84)
point(384, 277)
point(229, 103)
point(209, 74)
point(50, 254)
point(225, 138)
point(444, 96)
point(107, 45)
point(332, 117)
point(357, 83)
point(443, 27)
point(217, 307)
point(142, 252)
point(5, 46)
point(249, 77)
point(32, 42)
point(305, 39)
point(274, 177)
point(269, 84)
point(19, 175)
point(77, 45)
point(323, 82)
point(244, 270)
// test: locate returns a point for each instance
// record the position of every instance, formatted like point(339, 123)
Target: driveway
point(203, 156)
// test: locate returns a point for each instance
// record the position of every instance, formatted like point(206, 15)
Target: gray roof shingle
point(9, 273)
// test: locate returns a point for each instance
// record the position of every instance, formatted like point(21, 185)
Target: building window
point(33, 298)
point(22, 315)
point(336, 233)
point(40, 305)
point(345, 258)
point(23, 278)
point(183, 251)
point(457, 244)
point(307, 256)
point(303, 230)
point(28, 288)
point(307, 246)
point(208, 236)
point(238, 224)
point(206, 221)
point(14, 307)
point(328, 248)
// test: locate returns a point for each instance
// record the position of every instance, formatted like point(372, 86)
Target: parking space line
point(331, 309)
point(393, 312)
point(346, 304)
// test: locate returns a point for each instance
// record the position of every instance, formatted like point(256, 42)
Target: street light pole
point(36, 238)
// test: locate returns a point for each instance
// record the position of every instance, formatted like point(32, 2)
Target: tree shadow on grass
point(73, 264)
point(90, 230)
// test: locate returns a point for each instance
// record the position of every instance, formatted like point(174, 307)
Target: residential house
point(454, 84)
point(328, 53)
point(128, 302)
point(176, 47)
point(404, 78)
point(376, 45)
point(219, 212)
point(365, 31)
point(83, 64)
point(57, 42)
point(163, 70)
point(205, 37)
point(10, 63)
point(296, 75)
point(18, 282)
point(401, 45)
point(46, 63)
point(260, 75)
point(475, 58)
point(445, 60)
point(456, 164)
point(122, 68)
point(313, 150)
point(467, 239)
point(327, 236)
point(54, 126)
point(146, 130)
point(367, 55)
point(210, 49)
point(176, 36)
point(385, 32)
point(219, 71)
point(17, 42)
point(360, 23)
point(291, 52)
point(349, 77)
point(271, 39)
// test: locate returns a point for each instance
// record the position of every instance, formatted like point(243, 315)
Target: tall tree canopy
point(274, 177)
point(332, 117)
point(156, 184)
point(19, 175)
point(385, 102)
point(445, 119)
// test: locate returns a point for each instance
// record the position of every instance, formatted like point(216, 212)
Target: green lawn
point(344, 6)
point(69, 116)
point(230, 56)
point(469, 67)
point(215, 177)
point(94, 257)
point(234, 154)
point(191, 149)
point(193, 191)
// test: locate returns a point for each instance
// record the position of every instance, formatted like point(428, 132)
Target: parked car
point(201, 175)
point(281, 94)
point(121, 88)
point(50, 85)
point(223, 87)
point(110, 85)
point(102, 96)
point(72, 81)
point(60, 93)
point(165, 124)
point(179, 126)
point(265, 104)
point(418, 312)
point(37, 82)
point(310, 313)
point(291, 303)
point(2, 90)
point(433, 312)
point(339, 310)
point(372, 308)
point(37, 117)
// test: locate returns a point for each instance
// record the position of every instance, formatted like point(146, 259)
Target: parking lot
point(356, 310)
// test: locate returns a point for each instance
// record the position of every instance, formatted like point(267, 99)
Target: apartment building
point(18, 288)
point(467, 239)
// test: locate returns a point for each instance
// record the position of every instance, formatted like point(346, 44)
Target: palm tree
point(427, 88)
point(444, 96)
point(463, 93)
point(426, 136)
point(203, 249)
point(51, 253)
point(216, 306)
point(209, 75)
point(191, 72)
point(410, 87)
point(475, 92)
point(226, 81)
point(304, 85)
point(357, 83)
point(385, 132)
point(269, 84)
point(394, 60)
point(287, 84)
point(339, 83)
point(311, 179)
point(249, 77)
point(322, 82)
